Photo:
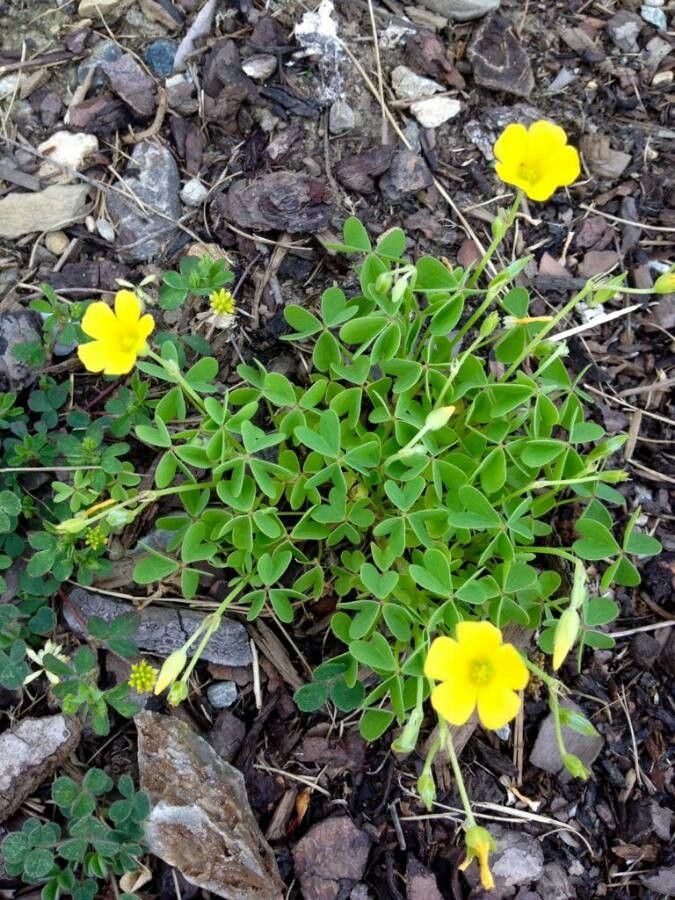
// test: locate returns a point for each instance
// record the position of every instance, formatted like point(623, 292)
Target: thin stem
point(214, 624)
point(489, 253)
point(177, 377)
point(555, 709)
point(459, 780)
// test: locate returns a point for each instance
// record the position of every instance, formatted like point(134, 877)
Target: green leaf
point(97, 782)
point(446, 316)
point(541, 452)
point(305, 323)
point(375, 653)
point(347, 697)
point(597, 542)
point(586, 432)
point(360, 331)
point(38, 864)
point(506, 397)
point(600, 611)
point(433, 276)
point(493, 471)
point(355, 235)
point(155, 437)
point(642, 544)
point(479, 513)
point(154, 568)
point(374, 723)
point(391, 244)
point(64, 791)
point(311, 697)
point(380, 584)
point(598, 640)
point(271, 568)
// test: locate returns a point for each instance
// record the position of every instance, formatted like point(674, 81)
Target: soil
point(611, 838)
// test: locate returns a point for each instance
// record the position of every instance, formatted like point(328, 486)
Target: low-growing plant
point(100, 837)
point(411, 469)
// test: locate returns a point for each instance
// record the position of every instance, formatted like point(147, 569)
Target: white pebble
point(194, 193)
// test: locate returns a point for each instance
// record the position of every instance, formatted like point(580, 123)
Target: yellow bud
point(72, 526)
point(178, 693)
point(437, 418)
point(173, 666)
point(479, 843)
point(566, 632)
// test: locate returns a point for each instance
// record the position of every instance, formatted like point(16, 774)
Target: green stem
point(213, 625)
point(144, 498)
point(177, 377)
point(555, 709)
point(459, 780)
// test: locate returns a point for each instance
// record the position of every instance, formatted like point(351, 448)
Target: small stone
point(597, 261)
point(105, 230)
point(407, 174)
point(623, 29)
point(358, 171)
point(48, 210)
point(435, 111)
point(260, 67)
point(645, 650)
point(227, 735)
point(461, 10)
point(200, 819)
point(99, 115)
point(152, 176)
point(408, 85)
point(222, 694)
point(654, 16)
point(103, 52)
point(420, 883)
point(159, 56)
point(498, 58)
point(341, 118)
point(331, 858)
point(132, 85)
point(108, 10)
point(601, 159)
point(661, 881)
point(284, 200)
point(194, 192)
point(555, 883)
point(50, 109)
point(545, 754)
point(66, 151)
point(31, 752)
point(161, 630)
point(56, 242)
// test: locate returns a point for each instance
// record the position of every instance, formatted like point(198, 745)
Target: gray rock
point(30, 754)
point(545, 753)
point(434, 111)
point(49, 210)
point(159, 55)
point(461, 10)
point(408, 85)
point(132, 85)
point(222, 694)
point(104, 51)
point(332, 855)
point(661, 881)
point(556, 884)
point(18, 326)
point(200, 820)
point(227, 735)
point(260, 67)
point(341, 117)
point(420, 883)
point(408, 173)
point(194, 193)
point(499, 61)
point(153, 177)
point(162, 629)
point(623, 29)
point(654, 16)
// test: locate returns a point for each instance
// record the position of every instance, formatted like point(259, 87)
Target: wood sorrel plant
point(413, 472)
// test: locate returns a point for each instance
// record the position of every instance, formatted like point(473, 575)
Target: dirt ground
point(565, 60)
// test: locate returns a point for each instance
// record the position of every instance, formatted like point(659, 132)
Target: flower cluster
point(143, 677)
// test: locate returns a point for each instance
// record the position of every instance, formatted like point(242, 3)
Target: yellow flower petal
point(454, 700)
point(547, 134)
point(119, 362)
point(497, 705)
point(567, 165)
point(510, 668)
point(443, 659)
point(127, 308)
point(512, 143)
point(478, 638)
point(146, 326)
point(99, 320)
point(92, 356)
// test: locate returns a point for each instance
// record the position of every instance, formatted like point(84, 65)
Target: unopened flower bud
point(383, 282)
point(479, 843)
point(173, 666)
point(566, 632)
point(178, 693)
point(665, 284)
point(426, 788)
point(72, 526)
point(407, 740)
point(437, 418)
point(489, 324)
point(575, 766)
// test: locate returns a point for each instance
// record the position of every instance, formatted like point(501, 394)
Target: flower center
point(529, 173)
point(128, 341)
point(481, 671)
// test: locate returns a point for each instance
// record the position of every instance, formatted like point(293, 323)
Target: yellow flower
point(95, 538)
point(143, 677)
point(478, 845)
point(222, 303)
point(537, 159)
point(476, 670)
point(119, 336)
